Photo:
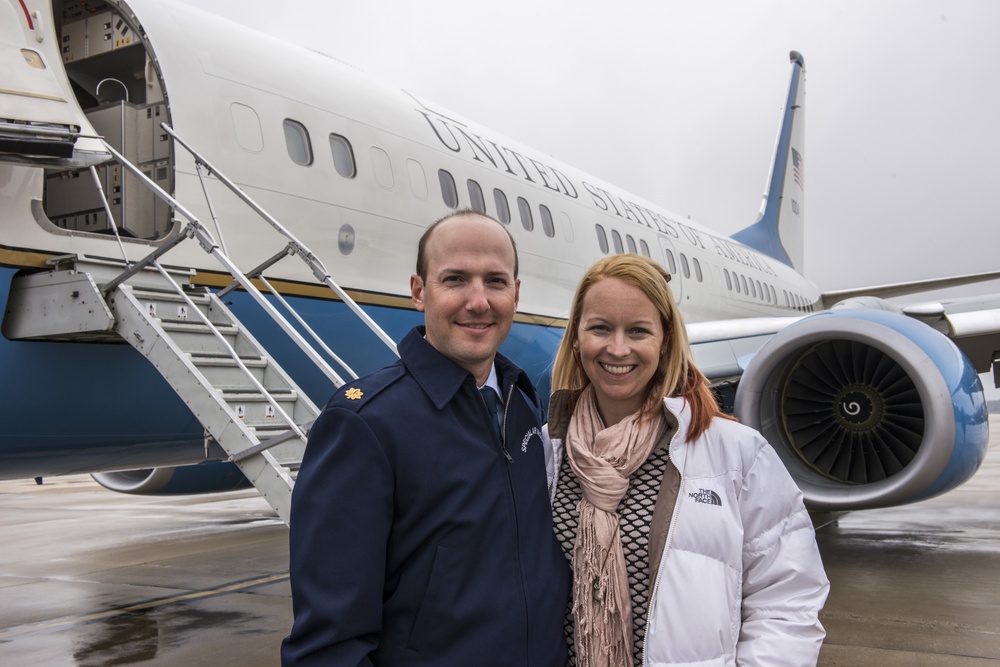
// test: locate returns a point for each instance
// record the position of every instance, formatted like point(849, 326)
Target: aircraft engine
point(867, 409)
point(208, 477)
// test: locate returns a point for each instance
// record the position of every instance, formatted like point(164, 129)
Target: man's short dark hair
point(422, 245)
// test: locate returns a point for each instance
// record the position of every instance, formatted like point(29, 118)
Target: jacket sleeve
point(338, 530)
point(784, 583)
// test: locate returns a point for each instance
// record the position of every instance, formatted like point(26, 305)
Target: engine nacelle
point(866, 409)
point(208, 477)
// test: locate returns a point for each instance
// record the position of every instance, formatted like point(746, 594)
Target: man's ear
point(417, 291)
point(517, 292)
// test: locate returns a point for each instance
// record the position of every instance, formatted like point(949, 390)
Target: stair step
point(208, 359)
point(169, 296)
point(267, 430)
point(186, 326)
point(252, 395)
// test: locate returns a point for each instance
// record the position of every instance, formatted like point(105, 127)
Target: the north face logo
point(706, 496)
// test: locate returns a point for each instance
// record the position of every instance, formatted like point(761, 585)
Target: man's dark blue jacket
point(417, 537)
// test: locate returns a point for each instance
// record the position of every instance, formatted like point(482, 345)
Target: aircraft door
point(669, 259)
point(40, 121)
point(118, 94)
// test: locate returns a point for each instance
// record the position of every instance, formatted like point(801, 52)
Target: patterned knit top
point(636, 513)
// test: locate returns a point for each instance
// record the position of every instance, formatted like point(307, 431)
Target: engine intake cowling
point(208, 477)
point(866, 409)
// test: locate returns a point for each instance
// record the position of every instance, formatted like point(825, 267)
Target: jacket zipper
point(517, 523)
point(503, 425)
point(666, 549)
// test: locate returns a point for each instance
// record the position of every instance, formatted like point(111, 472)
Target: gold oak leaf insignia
point(354, 393)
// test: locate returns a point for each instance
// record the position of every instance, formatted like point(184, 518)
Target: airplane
point(178, 192)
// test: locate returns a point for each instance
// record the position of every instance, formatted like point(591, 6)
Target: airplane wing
point(829, 299)
point(973, 324)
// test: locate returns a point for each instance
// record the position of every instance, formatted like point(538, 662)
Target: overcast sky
point(679, 103)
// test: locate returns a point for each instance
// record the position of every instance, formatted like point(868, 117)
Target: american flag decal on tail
point(797, 167)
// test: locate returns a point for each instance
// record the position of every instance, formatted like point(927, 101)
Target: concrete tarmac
point(91, 578)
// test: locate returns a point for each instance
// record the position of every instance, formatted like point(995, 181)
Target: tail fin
point(778, 229)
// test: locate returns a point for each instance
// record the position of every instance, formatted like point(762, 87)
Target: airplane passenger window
point(547, 225)
point(476, 196)
point(448, 190)
point(524, 209)
point(630, 242)
point(503, 209)
point(774, 297)
point(343, 156)
point(297, 142)
point(602, 239)
point(736, 283)
point(760, 290)
point(753, 290)
point(616, 238)
point(644, 248)
point(729, 281)
point(697, 269)
point(684, 266)
point(670, 262)
point(743, 281)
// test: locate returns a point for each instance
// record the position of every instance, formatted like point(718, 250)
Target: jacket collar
point(678, 415)
point(441, 378)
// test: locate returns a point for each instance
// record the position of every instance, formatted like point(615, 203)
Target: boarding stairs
point(244, 400)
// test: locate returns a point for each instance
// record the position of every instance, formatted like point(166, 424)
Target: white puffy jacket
point(740, 581)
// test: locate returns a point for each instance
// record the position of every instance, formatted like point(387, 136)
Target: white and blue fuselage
point(355, 170)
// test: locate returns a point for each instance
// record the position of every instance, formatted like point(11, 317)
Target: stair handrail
point(258, 273)
point(317, 267)
point(195, 229)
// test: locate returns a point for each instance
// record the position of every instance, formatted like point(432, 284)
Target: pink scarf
point(603, 460)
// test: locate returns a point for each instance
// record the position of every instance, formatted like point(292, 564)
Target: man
point(419, 534)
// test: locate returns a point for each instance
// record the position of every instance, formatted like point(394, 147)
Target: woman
point(689, 540)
